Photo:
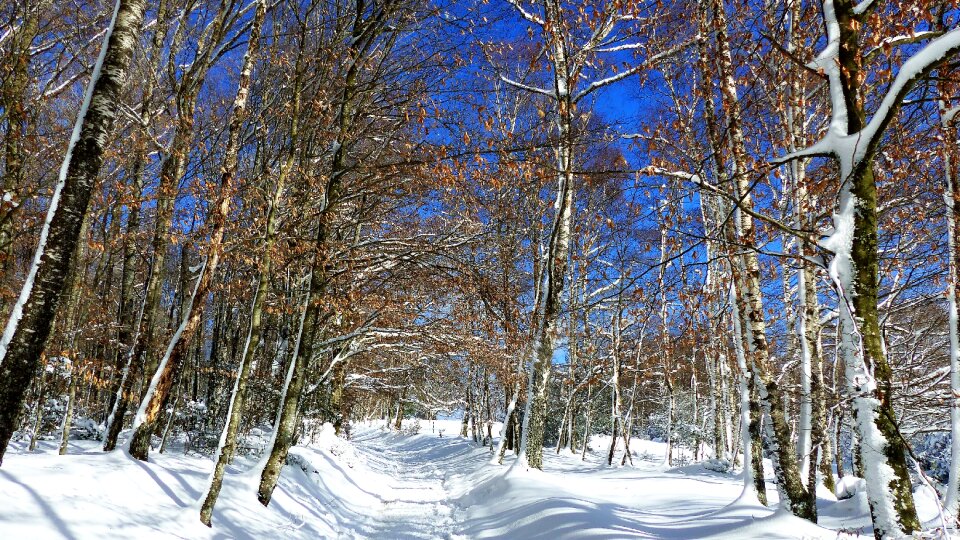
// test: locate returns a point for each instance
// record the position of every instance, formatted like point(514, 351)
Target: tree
point(576, 68)
point(32, 316)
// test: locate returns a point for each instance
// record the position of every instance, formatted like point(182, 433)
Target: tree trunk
point(172, 418)
point(285, 426)
point(587, 416)
point(855, 267)
point(951, 196)
point(127, 364)
point(546, 334)
point(467, 409)
point(812, 352)
point(838, 451)
point(756, 444)
point(510, 418)
point(75, 373)
point(751, 415)
point(398, 423)
point(363, 34)
point(38, 409)
point(228, 439)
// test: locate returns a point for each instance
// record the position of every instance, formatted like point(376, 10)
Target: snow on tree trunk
point(510, 415)
point(753, 487)
point(815, 453)
point(68, 414)
point(154, 399)
point(531, 445)
point(32, 315)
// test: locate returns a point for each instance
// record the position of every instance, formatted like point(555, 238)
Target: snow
point(382, 484)
point(749, 490)
point(805, 427)
point(851, 148)
point(951, 499)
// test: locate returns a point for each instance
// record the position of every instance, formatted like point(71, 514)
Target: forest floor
point(389, 486)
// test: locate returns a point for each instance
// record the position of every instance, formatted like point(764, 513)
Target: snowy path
point(415, 501)
point(446, 488)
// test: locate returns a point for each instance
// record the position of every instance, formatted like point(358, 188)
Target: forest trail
point(433, 487)
point(415, 502)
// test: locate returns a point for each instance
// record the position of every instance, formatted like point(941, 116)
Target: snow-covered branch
point(532, 17)
point(598, 84)
point(528, 88)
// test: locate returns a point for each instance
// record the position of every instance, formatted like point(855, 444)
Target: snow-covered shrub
point(295, 459)
point(195, 428)
point(718, 465)
point(255, 441)
point(646, 455)
point(85, 429)
point(51, 418)
point(933, 453)
point(848, 486)
point(685, 432)
point(342, 449)
point(411, 427)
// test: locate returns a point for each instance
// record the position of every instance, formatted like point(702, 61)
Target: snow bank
point(96, 495)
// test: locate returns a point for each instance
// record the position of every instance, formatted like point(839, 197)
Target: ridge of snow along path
point(390, 486)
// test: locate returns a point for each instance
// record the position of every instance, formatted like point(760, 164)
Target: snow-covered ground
point(385, 485)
